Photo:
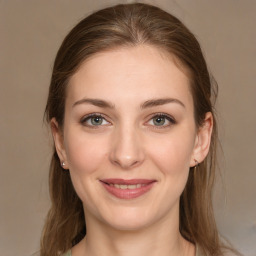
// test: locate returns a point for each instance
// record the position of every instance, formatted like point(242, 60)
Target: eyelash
point(166, 117)
point(90, 116)
point(155, 115)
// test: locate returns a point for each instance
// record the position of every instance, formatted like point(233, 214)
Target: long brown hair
point(128, 25)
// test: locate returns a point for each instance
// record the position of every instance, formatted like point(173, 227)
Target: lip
point(129, 193)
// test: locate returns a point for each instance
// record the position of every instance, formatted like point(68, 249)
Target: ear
point(203, 140)
point(59, 142)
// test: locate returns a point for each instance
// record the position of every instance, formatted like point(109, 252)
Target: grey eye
point(162, 121)
point(159, 120)
point(96, 120)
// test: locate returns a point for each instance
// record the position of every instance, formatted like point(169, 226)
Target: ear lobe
point(203, 140)
point(59, 142)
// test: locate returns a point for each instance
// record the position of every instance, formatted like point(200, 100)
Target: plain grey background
point(31, 32)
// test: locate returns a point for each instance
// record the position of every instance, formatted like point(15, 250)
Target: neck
point(163, 239)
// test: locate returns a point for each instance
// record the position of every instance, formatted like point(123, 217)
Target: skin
point(130, 145)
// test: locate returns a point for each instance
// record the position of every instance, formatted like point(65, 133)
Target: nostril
point(126, 164)
point(126, 152)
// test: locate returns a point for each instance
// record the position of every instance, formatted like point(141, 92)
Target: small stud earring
point(196, 164)
point(63, 164)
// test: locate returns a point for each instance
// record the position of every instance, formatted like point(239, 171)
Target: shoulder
point(226, 252)
point(232, 253)
point(198, 251)
point(68, 253)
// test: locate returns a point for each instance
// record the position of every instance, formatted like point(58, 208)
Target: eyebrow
point(95, 102)
point(147, 104)
point(159, 102)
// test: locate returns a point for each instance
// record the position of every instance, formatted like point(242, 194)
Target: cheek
point(85, 155)
point(81, 149)
point(172, 154)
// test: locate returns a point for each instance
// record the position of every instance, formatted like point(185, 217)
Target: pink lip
point(128, 193)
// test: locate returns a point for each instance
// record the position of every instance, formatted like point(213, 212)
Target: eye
point(94, 120)
point(161, 120)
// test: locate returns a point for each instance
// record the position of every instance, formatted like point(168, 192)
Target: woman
point(130, 111)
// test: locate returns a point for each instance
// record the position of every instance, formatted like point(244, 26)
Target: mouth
point(127, 189)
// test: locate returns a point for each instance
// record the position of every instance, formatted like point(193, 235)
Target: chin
point(128, 224)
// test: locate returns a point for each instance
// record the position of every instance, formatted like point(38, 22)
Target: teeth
point(120, 186)
point(132, 186)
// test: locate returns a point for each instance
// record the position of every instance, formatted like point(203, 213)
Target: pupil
point(159, 120)
point(97, 120)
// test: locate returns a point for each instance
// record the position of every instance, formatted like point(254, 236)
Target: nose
point(127, 149)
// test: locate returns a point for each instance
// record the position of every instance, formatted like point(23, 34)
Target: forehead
point(136, 73)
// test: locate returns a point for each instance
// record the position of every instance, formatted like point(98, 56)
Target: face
point(129, 137)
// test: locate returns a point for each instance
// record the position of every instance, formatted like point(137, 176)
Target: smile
point(127, 189)
point(127, 186)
